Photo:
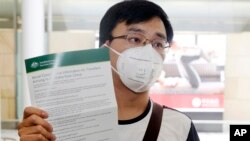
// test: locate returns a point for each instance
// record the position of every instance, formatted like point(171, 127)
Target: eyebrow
point(134, 29)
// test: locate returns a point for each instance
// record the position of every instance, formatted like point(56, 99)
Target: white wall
point(69, 41)
point(237, 77)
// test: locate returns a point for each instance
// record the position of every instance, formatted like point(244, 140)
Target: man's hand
point(34, 127)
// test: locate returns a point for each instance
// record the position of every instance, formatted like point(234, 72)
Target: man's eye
point(158, 45)
point(134, 40)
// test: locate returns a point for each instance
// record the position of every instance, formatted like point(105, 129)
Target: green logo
point(34, 65)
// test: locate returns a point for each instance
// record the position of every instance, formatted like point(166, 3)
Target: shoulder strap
point(154, 124)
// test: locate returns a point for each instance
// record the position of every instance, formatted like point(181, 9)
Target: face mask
point(139, 67)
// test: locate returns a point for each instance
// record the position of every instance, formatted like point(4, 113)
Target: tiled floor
point(203, 136)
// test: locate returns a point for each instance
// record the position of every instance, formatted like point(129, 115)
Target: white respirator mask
point(138, 67)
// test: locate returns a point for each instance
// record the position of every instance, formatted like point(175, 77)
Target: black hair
point(132, 12)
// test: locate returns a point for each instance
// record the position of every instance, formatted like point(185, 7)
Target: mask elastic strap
point(116, 52)
point(115, 70)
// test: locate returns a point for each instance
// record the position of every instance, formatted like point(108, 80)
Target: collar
point(138, 118)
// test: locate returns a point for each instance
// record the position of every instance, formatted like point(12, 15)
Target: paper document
point(76, 89)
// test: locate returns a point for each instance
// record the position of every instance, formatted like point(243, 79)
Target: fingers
point(37, 131)
point(34, 137)
point(34, 127)
point(32, 110)
point(35, 120)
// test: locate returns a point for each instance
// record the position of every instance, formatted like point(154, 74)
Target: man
point(136, 32)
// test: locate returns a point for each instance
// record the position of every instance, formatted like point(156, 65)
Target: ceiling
point(186, 15)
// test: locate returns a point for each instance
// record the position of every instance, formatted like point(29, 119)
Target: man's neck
point(130, 104)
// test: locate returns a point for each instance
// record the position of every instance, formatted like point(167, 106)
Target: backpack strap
point(154, 124)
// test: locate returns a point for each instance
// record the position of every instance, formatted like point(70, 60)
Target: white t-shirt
point(175, 126)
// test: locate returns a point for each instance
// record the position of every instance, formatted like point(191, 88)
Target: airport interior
point(218, 31)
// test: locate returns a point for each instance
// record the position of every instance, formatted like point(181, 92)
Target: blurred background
point(206, 72)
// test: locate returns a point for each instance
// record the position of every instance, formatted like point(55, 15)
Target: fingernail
point(44, 114)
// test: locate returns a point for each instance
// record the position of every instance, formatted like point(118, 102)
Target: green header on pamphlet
point(66, 59)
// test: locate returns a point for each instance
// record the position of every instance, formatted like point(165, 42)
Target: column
point(33, 34)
